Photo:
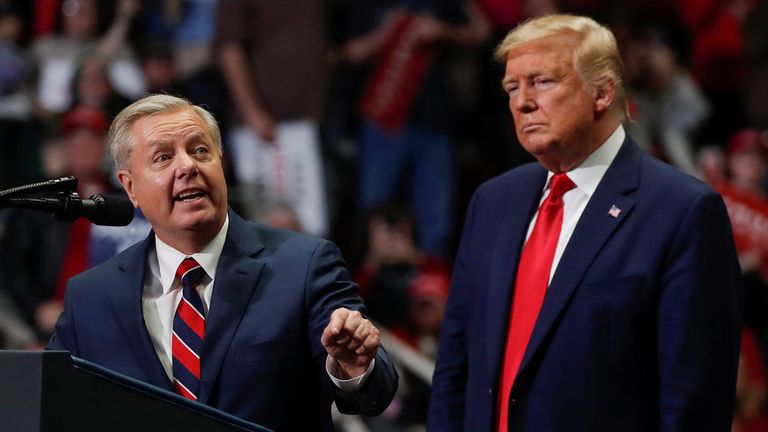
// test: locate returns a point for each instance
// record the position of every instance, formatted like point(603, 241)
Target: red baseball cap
point(430, 284)
point(747, 140)
point(84, 118)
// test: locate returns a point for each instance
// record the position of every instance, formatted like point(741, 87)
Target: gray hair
point(119, 138)
point(596, 55)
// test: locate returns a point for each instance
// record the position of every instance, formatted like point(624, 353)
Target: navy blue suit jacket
point(640, 326)
point(262, 357)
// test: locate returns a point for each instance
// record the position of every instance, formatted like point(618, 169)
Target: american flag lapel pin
point(614, 212)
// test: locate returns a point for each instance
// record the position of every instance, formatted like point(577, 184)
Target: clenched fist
point(352, 341)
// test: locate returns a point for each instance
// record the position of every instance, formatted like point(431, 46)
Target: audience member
point(54, 57)
point(38, 253)
point(756, 53)
point(717, 60)
point(391, 263)
point(750, 413)
point(15, 108)
point(747, 205)
point(406, 290)
point(405, 114)
point(92, 87)
point(667, 105)
point(281, 215)
point(746, 201)
point(274, 61)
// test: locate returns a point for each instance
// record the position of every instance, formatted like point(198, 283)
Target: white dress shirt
point(586, 176)
point(162, 294)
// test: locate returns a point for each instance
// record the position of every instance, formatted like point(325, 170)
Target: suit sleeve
point(329, 287)
point(699, 322)
point(446, 406)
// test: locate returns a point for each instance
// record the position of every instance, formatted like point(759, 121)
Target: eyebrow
point(530, 75)
point(151, 145)
point(193, 138)
point(197, 137)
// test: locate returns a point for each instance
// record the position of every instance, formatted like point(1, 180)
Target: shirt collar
point(587, 175)
point(169, 258)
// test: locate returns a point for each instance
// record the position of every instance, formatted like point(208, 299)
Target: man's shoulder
point(273, 238)
point(521, 175)
point(669, 182)
point(134, 255)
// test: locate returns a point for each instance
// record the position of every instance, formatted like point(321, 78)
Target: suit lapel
point(236, 279)
point(592, 231)
point(522, 204)
point(125, 294)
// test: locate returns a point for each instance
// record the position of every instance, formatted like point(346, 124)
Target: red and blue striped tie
point(188, 331)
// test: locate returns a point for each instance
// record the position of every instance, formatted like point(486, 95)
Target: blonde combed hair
point(119, 138)
point(596, 55)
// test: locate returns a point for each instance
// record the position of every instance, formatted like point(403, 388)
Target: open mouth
point(189, 196)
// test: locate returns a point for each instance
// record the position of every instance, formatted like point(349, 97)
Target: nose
point(186, 166)
point(523, 100)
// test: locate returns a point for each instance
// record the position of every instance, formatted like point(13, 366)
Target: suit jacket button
point(490, 392)
point(513, 400)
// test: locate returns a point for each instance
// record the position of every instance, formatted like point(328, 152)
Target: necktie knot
point(560, 185)
point(189, 273)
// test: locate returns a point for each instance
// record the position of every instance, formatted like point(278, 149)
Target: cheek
point(152, 188)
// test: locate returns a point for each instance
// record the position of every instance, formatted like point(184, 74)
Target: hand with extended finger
point(352, 341)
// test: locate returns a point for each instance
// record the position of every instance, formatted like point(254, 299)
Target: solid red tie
point(188, 331)
point(530, 286)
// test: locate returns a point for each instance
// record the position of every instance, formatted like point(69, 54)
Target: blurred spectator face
point(84, 131)
point(159, 73)
point(86, 153)
point(282, 216)
point(54, 157)
point(10, 27)
point(428, 292)
point(747, 158)
point(650, 65)
point(660, 66)
point(712, 164)
point(93, 86)
point(81, 18)
point(748, 168)
point(536, 8)
point(391, 243)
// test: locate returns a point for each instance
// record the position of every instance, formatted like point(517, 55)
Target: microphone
point(101, 210)
point(68, 183)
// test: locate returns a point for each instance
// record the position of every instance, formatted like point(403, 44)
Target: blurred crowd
point(366, 122)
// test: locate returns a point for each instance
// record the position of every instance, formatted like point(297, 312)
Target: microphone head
point(108, 210)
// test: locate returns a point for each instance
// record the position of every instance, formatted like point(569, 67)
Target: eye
point(161, 157)
point(543, 82)
point(201, 150)
point(511, 89)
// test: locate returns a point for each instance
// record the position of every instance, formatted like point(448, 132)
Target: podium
point(43, 391)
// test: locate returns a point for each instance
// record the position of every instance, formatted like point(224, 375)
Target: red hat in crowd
point(84, 118)
point(747, 140)
point(430, 284)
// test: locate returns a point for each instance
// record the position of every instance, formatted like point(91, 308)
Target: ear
point(604, 96)
point(127, 181)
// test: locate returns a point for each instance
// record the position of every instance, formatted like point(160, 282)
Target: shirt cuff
point(347, 385)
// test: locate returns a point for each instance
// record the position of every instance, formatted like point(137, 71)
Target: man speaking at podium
point(262, 323)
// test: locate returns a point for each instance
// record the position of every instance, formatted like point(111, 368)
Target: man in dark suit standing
point(595, 290)
point(263, 323)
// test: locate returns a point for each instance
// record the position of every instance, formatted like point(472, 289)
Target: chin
point(538, 149)
point(199, 220)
